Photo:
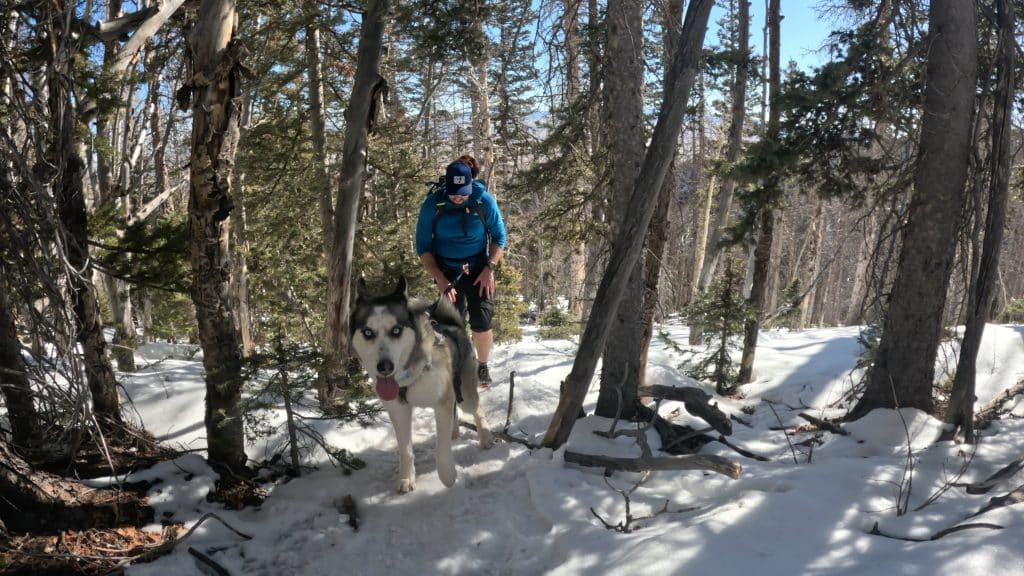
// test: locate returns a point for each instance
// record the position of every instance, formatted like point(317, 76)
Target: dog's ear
point(402, 289)
point(362, 293)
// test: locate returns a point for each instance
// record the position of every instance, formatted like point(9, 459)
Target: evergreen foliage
point(146, 254)
point(509, 307)
point(285, 377)
point(1014, 312)
point(789, 316)
point(557, 324)
point(722, 311)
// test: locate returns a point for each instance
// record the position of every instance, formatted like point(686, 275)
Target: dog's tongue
point(387, 388)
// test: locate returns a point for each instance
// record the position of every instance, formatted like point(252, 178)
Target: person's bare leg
point(483, 341)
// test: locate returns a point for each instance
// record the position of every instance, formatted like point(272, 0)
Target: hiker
point(460, 238)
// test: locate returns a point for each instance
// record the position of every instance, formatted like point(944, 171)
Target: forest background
point(218, 172)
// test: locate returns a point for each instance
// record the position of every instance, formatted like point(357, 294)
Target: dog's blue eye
point(368, 334)
point(396, 331)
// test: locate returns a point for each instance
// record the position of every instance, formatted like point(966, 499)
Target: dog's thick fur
point(413, 365)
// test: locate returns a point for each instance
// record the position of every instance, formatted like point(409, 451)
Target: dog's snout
point(385, 366)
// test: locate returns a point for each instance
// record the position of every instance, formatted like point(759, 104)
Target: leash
point(451, 285)
point(445, 331)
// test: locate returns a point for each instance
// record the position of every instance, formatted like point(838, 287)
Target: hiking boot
point(483, 375)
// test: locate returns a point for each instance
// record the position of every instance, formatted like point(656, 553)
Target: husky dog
point(417, 357)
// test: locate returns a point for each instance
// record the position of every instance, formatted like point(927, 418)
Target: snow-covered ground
point(516, 511)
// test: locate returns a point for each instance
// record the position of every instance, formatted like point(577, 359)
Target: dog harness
point(409, 374)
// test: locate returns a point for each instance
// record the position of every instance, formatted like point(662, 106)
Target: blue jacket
point(460, 235)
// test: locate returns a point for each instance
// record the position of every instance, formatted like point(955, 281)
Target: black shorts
point(481, 308)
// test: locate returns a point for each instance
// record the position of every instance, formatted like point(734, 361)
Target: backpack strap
point(478, 207)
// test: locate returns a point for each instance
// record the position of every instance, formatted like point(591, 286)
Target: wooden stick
point(1014, 497)
point(511, 395)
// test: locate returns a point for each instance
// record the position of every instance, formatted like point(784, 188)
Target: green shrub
point(722, 311)
point(508, 307)
point(284, 378)
point(557, 324)
point(1014, 312)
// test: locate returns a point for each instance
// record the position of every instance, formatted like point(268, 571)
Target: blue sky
point(803, 32)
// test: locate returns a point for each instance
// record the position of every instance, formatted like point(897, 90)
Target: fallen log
point(696, 401)
point(713, 463)
point(38, 501)
point(989, 412)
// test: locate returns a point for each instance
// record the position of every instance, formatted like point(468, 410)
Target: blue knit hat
point(458, 179)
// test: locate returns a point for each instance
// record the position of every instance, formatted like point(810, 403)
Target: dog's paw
point(486, 439)
point(447, 474)
point(406, 485)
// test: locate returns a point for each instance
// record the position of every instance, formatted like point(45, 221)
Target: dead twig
point(208, 565)
point(951, 483)
point(784, 433)
point(628, 525)
point(1004, 473)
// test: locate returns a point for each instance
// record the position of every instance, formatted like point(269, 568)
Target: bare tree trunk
point(594, 247)
point(869, 239)
point(123, 344)
point(701, 201)
point(904, 367)
point(723, 200)
point(239, 287)
point(772, 291)
point(657, 231)
point(118, 292)
point(766, 231)
point(14, 383)
point(576, 274)
point(812, 247)
point(626, 248)
point(215, 134)
point(483, 148)
point(240, 303)
point(353, 170)
point(68, 153)
point(161, 178)
point(657, 238)
point(871, 231)
point(623, 91)
point(983, 287)
point(314, 74)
